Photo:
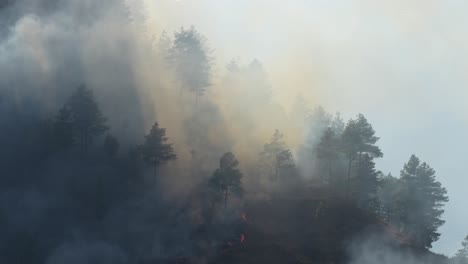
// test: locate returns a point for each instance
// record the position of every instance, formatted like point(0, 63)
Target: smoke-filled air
point(219, 132)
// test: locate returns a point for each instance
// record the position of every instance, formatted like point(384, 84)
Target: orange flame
point(244, 217)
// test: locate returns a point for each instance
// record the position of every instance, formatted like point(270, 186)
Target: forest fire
point(133, 132)
point(244, 217)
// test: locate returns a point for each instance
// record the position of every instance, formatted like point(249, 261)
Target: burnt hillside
point(311, 228)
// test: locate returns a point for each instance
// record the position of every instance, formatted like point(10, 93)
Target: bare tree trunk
point(349, 177)
point(225, 197)
point(349, 170)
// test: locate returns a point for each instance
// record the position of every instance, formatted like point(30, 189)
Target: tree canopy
point(227, 178)
point(461, 257)
point(419, 199)
point(156, 150)
point(276, 157)
point(86, 118)
point(190, 57)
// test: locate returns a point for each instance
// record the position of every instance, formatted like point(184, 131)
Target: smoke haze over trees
point(125, 144)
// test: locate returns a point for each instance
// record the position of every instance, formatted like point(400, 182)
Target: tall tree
point(156, 150)
point(391, 200)
point(88, 121)
point(276, 156)
point(359, 138)
point(63, 137)
point(328, 149)
point(366, 185)
point(424, 199)
point(227, 177)
point(190, 57)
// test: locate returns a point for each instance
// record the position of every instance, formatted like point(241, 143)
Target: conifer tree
point(359, 138)
point(227, 178)
point(190, 58)
point(461, 257)
point(88, 121)
point(276, 156)
point(424, 198)
point(328, 149)
point(156, 150)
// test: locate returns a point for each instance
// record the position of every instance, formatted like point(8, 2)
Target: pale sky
point(400, 63)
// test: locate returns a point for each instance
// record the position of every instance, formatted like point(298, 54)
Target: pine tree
point(191, 60)
point(155, 150)
point(391, 199)
point(276, 156)
point(366, 185)
point(461, 257)
point(328, 149)
point(227, 178)
point(87, 119)
point(359, 138)
point(424, 198)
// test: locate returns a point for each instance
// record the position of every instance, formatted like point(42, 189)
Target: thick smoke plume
point(50, 47)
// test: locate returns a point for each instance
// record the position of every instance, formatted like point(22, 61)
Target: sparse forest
point(77, 187)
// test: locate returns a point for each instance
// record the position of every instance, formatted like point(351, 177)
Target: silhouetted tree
point(424, 198)
point(284, 160)
point(391, 200)
point(63, 134)
point(359, 138)
point(461, 257)
point(191, 60)
point(227, 177)
point(276, 156)
point(155, 150)
point(87, 119)
point(328, 149)
point(366, 185)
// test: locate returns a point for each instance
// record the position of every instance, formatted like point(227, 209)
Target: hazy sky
point(401, 63)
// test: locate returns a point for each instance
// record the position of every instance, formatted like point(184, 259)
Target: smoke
point(88, 252)
point(268, 81)
point(50, 47)
point(372, 248)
